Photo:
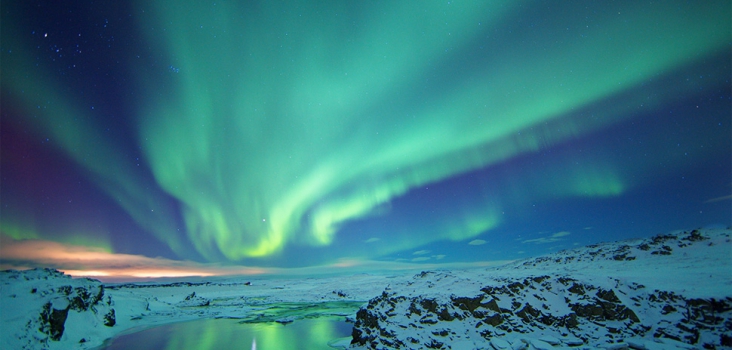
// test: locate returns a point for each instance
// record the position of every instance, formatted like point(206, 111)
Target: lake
point(314, 333)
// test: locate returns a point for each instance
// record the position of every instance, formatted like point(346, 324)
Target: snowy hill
point(669, 291)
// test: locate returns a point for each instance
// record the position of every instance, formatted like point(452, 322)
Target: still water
point(207, 334)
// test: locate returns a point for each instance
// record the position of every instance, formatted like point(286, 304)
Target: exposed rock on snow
point(546, 310)
point(508, 310)
point(192, 300)
point(45, 308)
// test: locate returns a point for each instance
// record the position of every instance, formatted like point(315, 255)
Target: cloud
point(82, 261)
point(540, 240)
point(477, 242)
point(421, 252)
point(425, 258)
point(372, 240)
point(718, 199)
point(91, 261)
point(543, 240)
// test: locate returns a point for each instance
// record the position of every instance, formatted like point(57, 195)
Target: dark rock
point(569, 321)
point(469, 304)
point(492, 305)
point(662, 238)
point(608, 295)
point(515, 287)
point(528, 313)
point(367, 319)
point(193, 300)
point(428, 320)
point(434, 344)
point(662, 333)
point(494, 320)
point(110, 319)
point(413, 309)
point(577, 289)
point(604, 311)
point(691, 335)
point(65, 290)
point(52, 321)
point(445, 315)
point(668, 309)
point(695, 236)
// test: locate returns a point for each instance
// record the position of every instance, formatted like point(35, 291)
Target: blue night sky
point(238, 137)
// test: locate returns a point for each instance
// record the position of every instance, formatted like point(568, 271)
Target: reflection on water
point(231, 334)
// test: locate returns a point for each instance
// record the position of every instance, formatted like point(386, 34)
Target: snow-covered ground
point(670, 291)
point(24, 294)
point(666, 292)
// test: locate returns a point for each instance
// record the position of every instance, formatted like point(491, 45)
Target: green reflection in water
point(313, 333)
point(292, 311)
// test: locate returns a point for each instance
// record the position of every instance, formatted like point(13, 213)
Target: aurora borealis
point(298, 134)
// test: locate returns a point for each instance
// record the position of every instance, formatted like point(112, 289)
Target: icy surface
point(666, 292)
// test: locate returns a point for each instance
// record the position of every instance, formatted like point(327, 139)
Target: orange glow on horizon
point(168, 273)
point(163, 272)
point(94, 262)
point(81, 261)
point(85, 273)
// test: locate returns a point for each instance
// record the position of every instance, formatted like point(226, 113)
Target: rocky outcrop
point(56, 297)
point(570, 311)
point(86, 296)
point(547, 311)
point(192, 300)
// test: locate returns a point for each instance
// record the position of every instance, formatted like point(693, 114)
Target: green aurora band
point(284, 121)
